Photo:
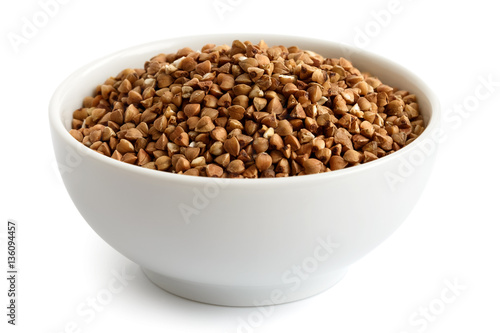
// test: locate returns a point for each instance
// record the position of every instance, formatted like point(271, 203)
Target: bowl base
point(246, 295)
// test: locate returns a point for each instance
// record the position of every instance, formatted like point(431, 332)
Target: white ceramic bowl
point(242, 242)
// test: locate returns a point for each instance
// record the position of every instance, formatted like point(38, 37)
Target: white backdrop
point(438, 273)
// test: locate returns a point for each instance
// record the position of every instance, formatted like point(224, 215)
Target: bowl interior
point(69, 96)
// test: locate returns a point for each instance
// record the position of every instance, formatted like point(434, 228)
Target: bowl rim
point(57, 126)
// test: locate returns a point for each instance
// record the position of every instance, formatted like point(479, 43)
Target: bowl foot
point(295, 290)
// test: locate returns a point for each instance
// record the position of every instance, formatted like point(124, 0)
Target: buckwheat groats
point(246, 111)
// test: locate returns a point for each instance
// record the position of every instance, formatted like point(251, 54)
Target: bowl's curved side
point(242, 233)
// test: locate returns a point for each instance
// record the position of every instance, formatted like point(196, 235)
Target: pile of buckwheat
point(246, 111)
